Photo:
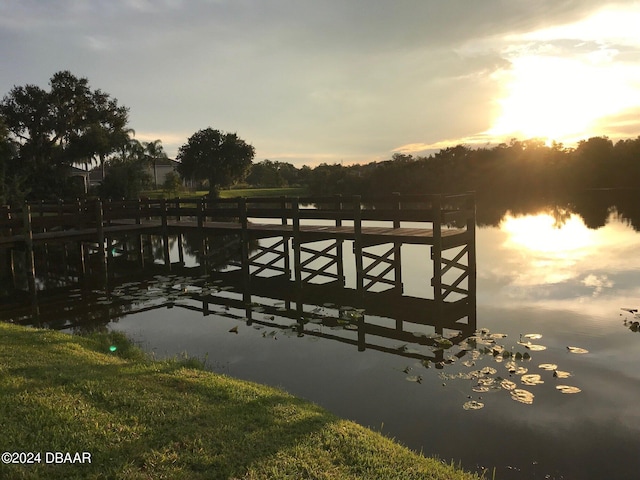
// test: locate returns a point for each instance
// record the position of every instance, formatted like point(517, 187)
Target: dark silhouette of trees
point(268, 173)
point(153, 151)
point(125, 178)
point(55, 129)
point(221, 158)
point(511, 171)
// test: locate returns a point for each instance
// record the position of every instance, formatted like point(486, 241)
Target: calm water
point(545, 285)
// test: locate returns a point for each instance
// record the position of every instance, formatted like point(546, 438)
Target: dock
point(300, 239)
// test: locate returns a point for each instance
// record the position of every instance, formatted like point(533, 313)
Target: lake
point(547, 387)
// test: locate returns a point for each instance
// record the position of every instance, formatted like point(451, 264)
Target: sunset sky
point(342, 80)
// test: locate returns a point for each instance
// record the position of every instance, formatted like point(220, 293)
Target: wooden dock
point(446, 223)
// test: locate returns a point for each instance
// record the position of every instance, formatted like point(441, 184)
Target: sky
point(342, 81)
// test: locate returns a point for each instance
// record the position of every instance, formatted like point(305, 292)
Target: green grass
point(264, 192)
point(237, 192)
point(144, 419)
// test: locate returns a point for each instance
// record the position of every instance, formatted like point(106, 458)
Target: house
point(159, 169)
point(82, 177)
point(157, 172)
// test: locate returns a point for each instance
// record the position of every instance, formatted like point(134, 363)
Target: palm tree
point(153, 152)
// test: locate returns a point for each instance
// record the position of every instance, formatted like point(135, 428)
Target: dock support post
point(244, 223)
point(200, 208)
point(285, 240)
point(357, 244)
point(397, 259)
point(165, 233)
point(297, 256)
point(138, 212)
point(436, 255)
point(339, 243)
point(471, 259)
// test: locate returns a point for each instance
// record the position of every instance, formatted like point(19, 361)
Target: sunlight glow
point(539, 233)
point(564, 79)
point(560, 98)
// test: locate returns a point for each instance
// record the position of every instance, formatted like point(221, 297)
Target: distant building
point(81, 175)
point(163, 166)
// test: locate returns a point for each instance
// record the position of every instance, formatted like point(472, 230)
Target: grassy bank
point(143, 419)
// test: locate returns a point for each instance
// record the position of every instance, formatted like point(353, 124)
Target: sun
point(556, 98)
point(556, 92)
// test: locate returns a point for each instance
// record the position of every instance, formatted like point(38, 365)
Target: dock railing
point(439, 210)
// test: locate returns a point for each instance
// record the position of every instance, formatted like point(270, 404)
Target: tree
point(153, 152)
point(13, 187)
point(172, 184)
point(69, 124)
point(125, 178)
point(221, 158)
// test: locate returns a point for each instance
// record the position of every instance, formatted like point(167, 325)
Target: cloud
point(333, 79)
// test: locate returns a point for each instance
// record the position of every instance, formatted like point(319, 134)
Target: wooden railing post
point(297, 257)
point(285, 240)
point(295, 217)
point(397, 258)
point(163, 215)
point(138, 211)
point(165, 233)
point(244, 223)
point(339, 243)
point(200, 208)
point(471, 256)
point(436, 255)
point(357, 244)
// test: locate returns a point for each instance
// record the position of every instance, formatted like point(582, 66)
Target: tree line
point(43, 133)
point(511, 170)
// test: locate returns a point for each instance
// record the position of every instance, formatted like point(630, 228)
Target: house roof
point(77, 171)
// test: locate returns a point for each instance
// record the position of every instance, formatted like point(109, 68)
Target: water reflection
point(546, 278)
point(592, 206)
point(376, 321)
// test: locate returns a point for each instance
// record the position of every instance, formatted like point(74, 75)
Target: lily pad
point(486, 381)
point(522, 396)
point(577, 350)
point(473, 405)
point(414, 378)
point(568, 389)
point(488, 371)
point(561, 374)
point(515, 369)
point(532, 336)
point(498, 335)
point(508, 384)
point(548, 366)
point(480, 389)
point(531, 379)
point(532, 346)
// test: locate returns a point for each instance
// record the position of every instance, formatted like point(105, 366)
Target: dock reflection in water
point(378, 358)
point(69, 300)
